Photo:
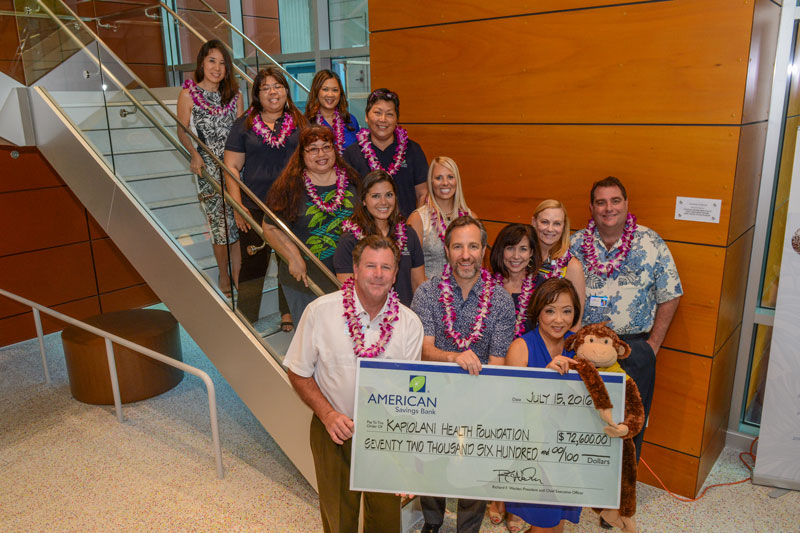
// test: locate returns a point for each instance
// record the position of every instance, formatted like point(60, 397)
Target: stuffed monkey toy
point(597, 349)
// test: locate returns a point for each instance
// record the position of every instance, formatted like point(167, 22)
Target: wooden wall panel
point(221, 6)
point(709, 457)
point(265, 32)
point(260, 8)
point(21, 327)
point(29, 171)
point(719, 391)
point(151, 75)
point(677, 470)
point(12, 69)
point(748, 179)
point(700, 269)
point(95, 231)
point(9, 40)
point(734, 286)
point(392, 15)
point(763, 44)
point(48, 277)
point(563, 161)
point(137, 39)
point(575, 67)
point(106, 8)
point(492, 229)
point(128, 298)
point(114, 272)
point(41, 218)
point(679, 401)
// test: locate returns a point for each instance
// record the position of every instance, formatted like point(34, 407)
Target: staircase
point(114, 142)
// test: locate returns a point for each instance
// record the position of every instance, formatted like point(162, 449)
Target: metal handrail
point(182, 149)
point(112, 367)
point(251, 43)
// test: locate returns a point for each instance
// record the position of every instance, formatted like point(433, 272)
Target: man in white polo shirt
point(364, 319)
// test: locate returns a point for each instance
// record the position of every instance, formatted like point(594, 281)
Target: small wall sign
point(697, 209)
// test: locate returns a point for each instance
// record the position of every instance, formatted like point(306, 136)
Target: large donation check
point(512, 434)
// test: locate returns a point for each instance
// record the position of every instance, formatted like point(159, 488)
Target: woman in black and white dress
point(208, 105)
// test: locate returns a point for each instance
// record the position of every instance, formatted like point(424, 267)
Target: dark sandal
point(287, 326)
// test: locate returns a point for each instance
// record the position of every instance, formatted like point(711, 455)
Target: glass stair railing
point(114, 142)
point(152, 163)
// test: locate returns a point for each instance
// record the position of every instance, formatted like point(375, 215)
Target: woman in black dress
point(258, 149)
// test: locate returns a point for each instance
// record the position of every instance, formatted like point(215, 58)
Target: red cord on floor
point(690, 500)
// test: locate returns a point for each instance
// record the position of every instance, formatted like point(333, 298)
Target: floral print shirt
point(629, 297)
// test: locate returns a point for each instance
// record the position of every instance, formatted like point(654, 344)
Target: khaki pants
point(338, 505)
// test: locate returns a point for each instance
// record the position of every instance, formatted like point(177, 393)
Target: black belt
point(635, 336)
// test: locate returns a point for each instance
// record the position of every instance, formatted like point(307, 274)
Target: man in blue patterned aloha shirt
point(631, 282)
point(468, 290)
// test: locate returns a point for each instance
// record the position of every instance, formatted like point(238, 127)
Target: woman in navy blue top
point(327, 105)
point(554, 309)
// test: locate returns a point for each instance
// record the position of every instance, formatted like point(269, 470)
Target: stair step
point(157, 175)
point(134, 165)
point(135, 152)
point(190, 232)
point(162, 189)
point(173, 202)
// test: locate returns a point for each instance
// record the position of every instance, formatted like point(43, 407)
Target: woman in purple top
point(554, 309)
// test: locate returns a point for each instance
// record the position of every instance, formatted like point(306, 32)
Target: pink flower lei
point(590, 254)
point(528, 285)
point(400, 134)
point(484, 304)
point(556, 266)
point(336, 202)
point(337, 127)
point(201, 102)
point(400, 234)
point(438, 221)
point(261, 129)
point(354, 324)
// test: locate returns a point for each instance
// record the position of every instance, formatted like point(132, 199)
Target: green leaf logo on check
point(416, 384)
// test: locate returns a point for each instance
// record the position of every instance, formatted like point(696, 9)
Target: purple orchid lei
point(365, 143)
point(590, 255)
point(201, 102)
point(337, 127)
point(528, 285)
point(354, 324)
point(336, 201)
point(265, 133)
point(400, 235)
point(484, 304)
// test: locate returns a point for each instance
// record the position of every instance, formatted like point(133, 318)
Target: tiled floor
point(67, 466)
